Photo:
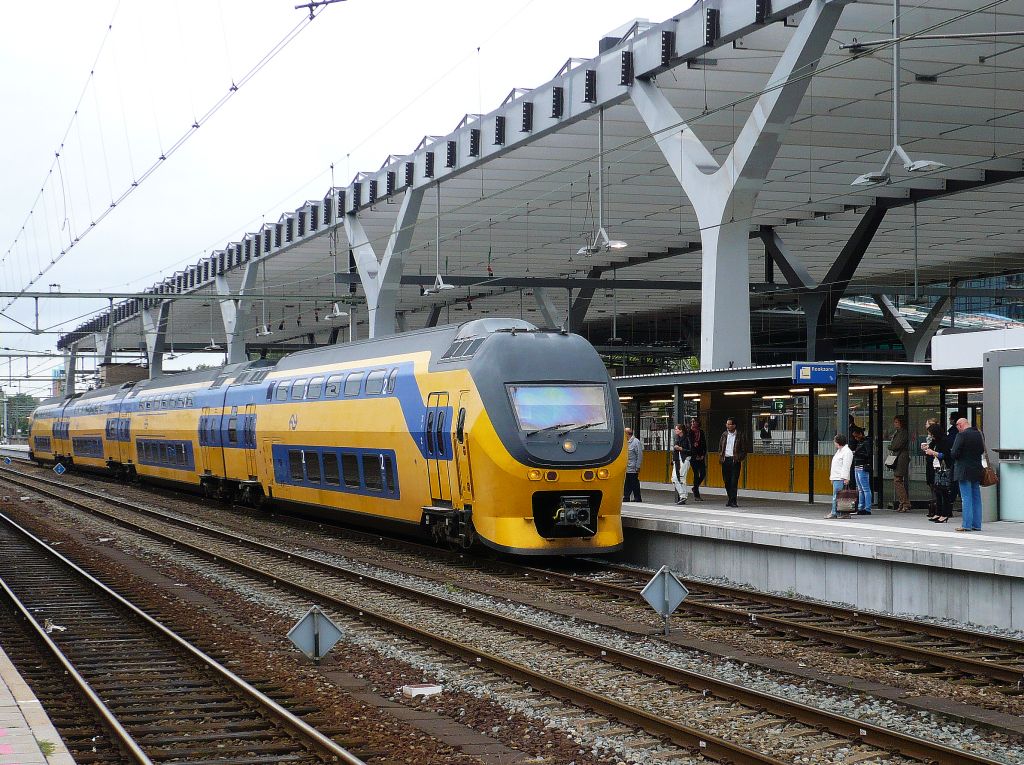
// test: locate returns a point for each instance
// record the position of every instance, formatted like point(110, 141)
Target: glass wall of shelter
point(789, 429)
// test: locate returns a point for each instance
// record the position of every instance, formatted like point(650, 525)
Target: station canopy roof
point(521, 211)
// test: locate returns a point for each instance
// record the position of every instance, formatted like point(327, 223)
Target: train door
point(438, 448)
point(209, 440)
point(249, 439)
point(461, 444)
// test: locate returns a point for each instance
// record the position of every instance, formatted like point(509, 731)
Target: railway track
point(704, 715)
point(124, 688)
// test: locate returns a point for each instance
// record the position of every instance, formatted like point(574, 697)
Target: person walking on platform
point(680, 462)
point(731, 453)
point(937, 472)
point(967, 450)
point(634, 458)
point(862, 470)
point(899, 462)
point(698, 457)
point(839, 474)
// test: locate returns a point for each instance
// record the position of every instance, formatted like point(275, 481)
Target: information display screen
point(540, 407)
point(1011, 407)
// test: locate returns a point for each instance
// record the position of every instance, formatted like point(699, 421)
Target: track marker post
point(665, 593)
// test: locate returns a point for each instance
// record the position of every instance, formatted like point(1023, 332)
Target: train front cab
point(533, 467)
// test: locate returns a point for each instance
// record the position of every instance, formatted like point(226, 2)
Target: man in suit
point(634, 458)
point(731, 453)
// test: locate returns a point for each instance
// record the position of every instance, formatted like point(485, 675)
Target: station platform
point(892, 562)
point(27, 737)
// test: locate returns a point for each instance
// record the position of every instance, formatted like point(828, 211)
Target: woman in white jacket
point(840, 473)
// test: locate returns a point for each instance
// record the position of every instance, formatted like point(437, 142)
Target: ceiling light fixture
point(882, 176)
point(439, 282)
point(601, 242)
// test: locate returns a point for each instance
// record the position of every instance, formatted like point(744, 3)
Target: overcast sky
point(364, 79)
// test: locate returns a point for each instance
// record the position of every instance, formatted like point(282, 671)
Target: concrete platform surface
point(889, 562)
point(884, 535)
point(25, 728)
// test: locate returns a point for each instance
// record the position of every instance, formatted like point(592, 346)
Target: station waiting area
point(788, 424)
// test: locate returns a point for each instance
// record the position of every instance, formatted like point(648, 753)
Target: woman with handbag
point(840, 476)
point(899, 462)
point(938, 472)
point(968, 471)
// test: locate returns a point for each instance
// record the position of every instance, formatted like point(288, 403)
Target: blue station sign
point(813, 373)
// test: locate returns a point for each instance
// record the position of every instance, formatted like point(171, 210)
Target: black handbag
point(943, 478)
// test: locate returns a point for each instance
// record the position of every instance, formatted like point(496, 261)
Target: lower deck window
point(295, 465)
point(312, 467)
point(350, 470)
point(331, 475)
point(371, 472)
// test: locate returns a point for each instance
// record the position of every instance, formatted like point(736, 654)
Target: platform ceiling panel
point(526, 212)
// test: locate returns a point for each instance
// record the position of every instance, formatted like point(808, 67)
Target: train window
point(476, 344)
point(181, 401)
point(188, 400)
point(440, 434)
point(270, 392)
point(460, 427)
point(371, 472)
point(298, 389)
point(331, 475)
point(232, 430)
point(350, 470)
point(316, 386)
point(312, 467)
point(352, 384)
point(375, 382)
point(333, 386)
point(295, 465)
point(389, 475)
point(430, 432)
point(392, 379)
point(282, 390)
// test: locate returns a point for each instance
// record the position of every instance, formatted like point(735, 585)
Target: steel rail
point(857, 730)
point(1003, 673)
point(305, 731)
point(122, 736)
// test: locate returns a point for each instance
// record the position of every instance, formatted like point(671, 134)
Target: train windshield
point(550, 407)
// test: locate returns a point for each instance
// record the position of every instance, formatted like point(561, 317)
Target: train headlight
point(602, 473)
point(588, 475)
point(551, 475)
point(535, 475)
point(568, 446)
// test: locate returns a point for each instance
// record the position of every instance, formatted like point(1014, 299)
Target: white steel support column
point(104, 344)
point(723, 196)
point(237, 313)
point(154, 333)
point(381, 280)
point(70, 359)
point(547, 307)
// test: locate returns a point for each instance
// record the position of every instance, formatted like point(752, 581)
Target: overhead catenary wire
point(182, 139)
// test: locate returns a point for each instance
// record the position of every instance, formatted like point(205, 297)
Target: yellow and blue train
point(493, 432)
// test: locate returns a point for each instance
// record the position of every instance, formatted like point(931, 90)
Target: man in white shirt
point(839, 474)
point(732, 451)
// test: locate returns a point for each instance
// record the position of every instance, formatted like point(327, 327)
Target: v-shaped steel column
point(237, 312)
point(382, 280)
point(154, 335)
point(723, 196)
point(915, 339)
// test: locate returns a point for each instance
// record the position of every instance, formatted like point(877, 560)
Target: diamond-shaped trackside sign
point(7, 460)
point(665, 592)
point(59, 469)
point(314, 634)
